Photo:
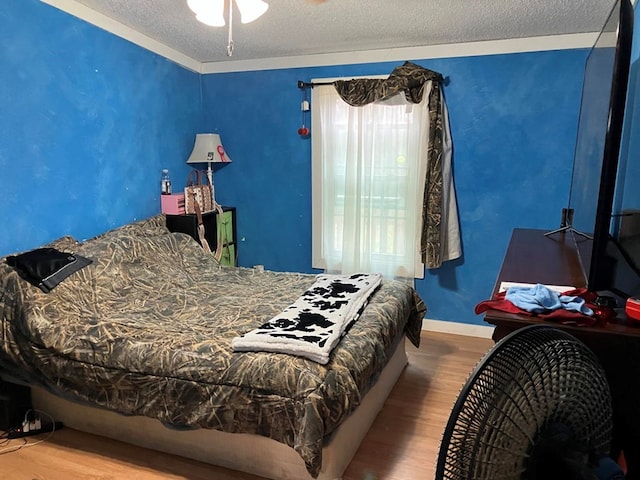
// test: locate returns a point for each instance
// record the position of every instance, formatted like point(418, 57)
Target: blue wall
point(88, 122)
point(513, 120)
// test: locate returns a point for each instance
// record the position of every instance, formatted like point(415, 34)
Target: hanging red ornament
point(303, 131)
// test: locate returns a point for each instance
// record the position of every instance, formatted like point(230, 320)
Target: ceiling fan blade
point(251, 10)
point(209, 12)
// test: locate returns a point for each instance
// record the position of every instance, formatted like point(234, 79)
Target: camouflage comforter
point(146, 329)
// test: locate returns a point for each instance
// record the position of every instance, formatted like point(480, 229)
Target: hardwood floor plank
point(402, 443)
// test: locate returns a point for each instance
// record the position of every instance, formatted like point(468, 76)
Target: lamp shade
point(208, 149)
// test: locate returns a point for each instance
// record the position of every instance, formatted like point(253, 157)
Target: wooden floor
point(402, 444)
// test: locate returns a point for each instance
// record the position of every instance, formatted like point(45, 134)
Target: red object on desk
point(601, 315)
point(632, 309)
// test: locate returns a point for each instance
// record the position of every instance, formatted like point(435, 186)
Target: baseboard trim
point(457, 328)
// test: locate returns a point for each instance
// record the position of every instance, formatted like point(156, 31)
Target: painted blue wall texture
point(90, 119)
point(513, 120)
point(88, 122)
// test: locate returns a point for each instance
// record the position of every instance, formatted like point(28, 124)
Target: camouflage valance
point(408, 79)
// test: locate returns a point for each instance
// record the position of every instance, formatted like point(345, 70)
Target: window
point(369, 166)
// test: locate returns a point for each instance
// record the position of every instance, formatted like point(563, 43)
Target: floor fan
point(537, 406)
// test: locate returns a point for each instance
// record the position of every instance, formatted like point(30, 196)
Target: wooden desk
point(533, 257)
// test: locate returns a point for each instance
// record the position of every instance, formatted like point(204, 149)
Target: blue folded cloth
point(607, 469)
point(541, 299)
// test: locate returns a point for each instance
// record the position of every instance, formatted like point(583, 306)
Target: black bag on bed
point(46, 267)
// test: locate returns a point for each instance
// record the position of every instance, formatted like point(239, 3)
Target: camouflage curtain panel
point(410, 79)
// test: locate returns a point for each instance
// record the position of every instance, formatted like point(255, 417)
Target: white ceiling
point(294, 28)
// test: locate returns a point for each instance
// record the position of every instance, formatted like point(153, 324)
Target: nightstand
point(225, 227)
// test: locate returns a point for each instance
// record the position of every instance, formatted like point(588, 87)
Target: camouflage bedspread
point(146, 329)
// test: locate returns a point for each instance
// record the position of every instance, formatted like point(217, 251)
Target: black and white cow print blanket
point(314, 324)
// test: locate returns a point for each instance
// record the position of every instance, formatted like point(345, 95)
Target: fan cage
point(535, 377)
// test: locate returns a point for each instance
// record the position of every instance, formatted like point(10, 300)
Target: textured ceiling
point(305, 27)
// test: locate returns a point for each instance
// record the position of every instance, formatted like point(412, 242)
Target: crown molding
point(471, 49)
point(493, 47)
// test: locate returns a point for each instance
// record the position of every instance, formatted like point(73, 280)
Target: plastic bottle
point(166, 182)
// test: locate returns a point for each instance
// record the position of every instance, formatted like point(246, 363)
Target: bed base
point(248, 453)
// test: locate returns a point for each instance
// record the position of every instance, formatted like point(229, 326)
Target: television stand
point(566, 225)
point(569, 228)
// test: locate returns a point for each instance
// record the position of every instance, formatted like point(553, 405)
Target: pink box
point(173, 204)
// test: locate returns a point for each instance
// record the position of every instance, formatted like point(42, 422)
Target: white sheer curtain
point(369, 166)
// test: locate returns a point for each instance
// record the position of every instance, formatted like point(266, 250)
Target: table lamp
point(208, 149)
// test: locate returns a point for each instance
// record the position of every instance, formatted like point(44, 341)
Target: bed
point(137, 346)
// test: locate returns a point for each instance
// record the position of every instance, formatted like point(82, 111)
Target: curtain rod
point(302, 84)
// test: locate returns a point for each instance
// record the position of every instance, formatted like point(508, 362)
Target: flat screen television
point(608, 264)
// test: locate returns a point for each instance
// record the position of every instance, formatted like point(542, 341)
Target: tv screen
point(597, 149)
